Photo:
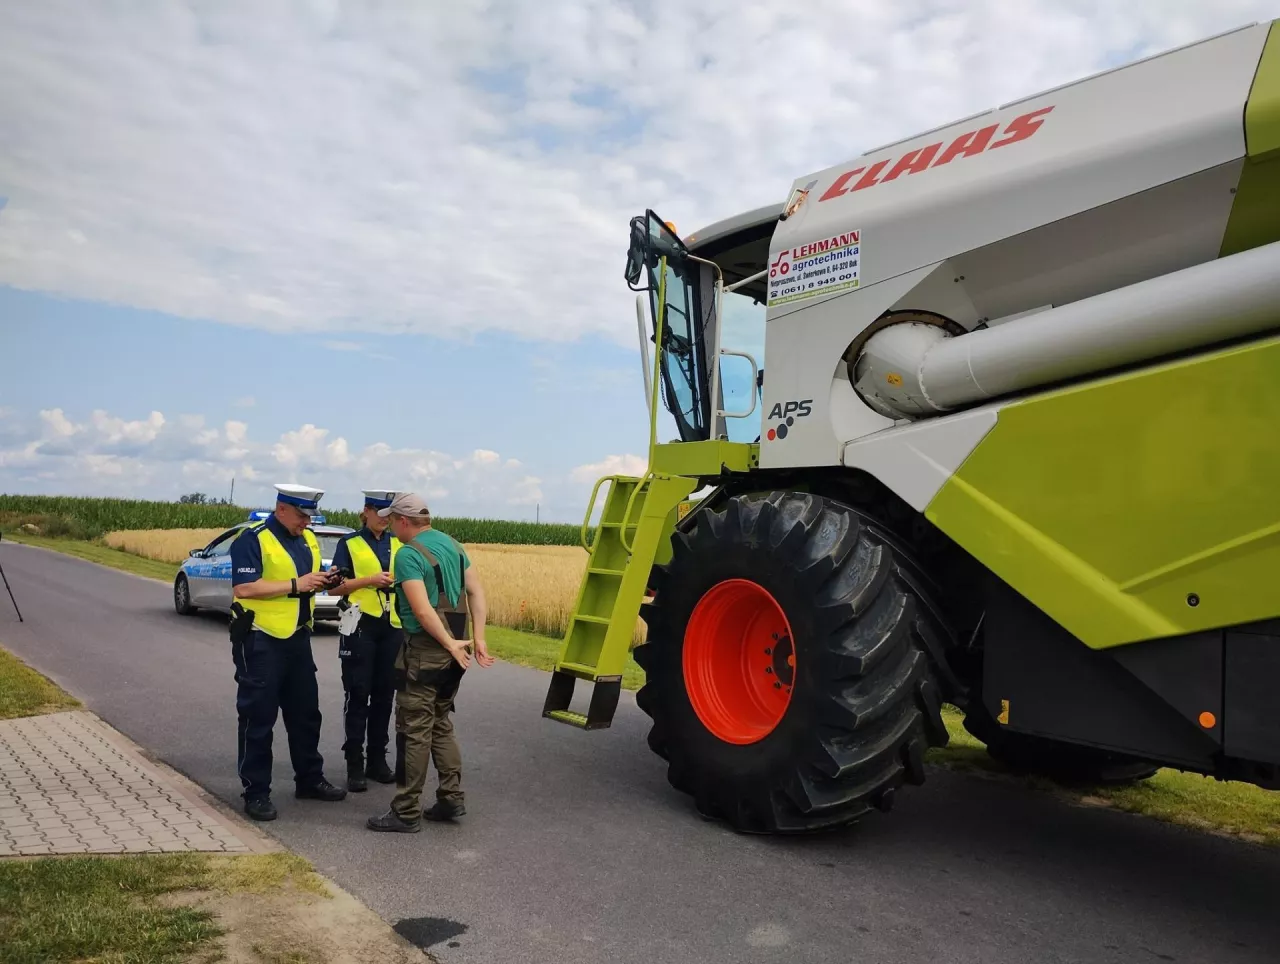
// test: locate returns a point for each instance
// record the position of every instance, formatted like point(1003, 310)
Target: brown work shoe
point(392, 822)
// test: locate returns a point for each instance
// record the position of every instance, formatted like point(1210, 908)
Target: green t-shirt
point(411, 565)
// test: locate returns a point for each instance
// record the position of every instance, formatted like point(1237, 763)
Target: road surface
point(576, 850)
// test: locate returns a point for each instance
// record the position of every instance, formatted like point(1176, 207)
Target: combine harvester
point(1019, 452)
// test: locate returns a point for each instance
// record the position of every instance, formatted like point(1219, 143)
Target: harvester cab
point(688, 292)
point(1015, 453)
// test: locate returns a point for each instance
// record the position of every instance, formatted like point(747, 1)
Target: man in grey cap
point(432, 574)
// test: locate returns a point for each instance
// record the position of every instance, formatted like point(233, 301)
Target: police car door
point(213, 588)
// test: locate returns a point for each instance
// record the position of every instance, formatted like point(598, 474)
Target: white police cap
point(378, 498)
point(300, 496)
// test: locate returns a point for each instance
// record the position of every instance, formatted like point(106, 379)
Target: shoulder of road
point(189, 873)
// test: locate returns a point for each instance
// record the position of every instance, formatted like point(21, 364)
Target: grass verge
point(540, 652)
point(64, 909)
point(1238, 810)
point(24, 692)
point(101, 554)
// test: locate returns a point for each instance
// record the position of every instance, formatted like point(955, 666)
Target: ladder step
point(580, 670)
point(606, 572)
point(599, 620)
point(604, 699)
point(568, 716)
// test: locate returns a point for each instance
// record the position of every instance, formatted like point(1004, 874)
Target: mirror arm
point(746, 281)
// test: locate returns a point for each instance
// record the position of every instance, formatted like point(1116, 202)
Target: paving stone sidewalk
point(71, 784)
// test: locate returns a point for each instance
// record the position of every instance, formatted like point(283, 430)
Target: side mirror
point(196, 553)
point(636, 253)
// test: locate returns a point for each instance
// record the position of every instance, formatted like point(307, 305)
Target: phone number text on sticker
point(817, 268)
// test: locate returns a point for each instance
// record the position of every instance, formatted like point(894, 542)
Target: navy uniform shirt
point(381, 548)
point(246, 557)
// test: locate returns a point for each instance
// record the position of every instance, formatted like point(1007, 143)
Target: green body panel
point(694, 459)
point(598, 638)
point(1255, 212)
point(1109, 504)
point(1262, 112)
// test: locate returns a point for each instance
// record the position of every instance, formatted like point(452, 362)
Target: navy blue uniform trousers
point(369, 683)
point(276, 677)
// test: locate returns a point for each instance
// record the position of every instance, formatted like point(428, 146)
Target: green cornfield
point(91, 518)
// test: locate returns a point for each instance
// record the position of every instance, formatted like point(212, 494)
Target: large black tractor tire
point(860, 666)
point(1066, 763)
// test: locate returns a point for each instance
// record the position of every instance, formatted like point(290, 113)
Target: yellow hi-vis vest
point(364, 561)
point(278, 616)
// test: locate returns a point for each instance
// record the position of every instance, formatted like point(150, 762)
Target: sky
point(363, 245)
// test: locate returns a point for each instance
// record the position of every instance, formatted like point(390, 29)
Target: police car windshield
point(328, 545)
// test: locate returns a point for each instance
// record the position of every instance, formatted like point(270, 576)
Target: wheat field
point(165, 545)
point(532, 588)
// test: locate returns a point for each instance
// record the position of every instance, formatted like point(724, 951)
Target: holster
point(241, 624)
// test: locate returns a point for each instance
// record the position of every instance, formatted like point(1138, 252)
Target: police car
point(204, 580)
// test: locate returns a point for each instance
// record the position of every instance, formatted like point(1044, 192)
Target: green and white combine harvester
point(1018, 452)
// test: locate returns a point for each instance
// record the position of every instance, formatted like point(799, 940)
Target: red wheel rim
point(739, 661)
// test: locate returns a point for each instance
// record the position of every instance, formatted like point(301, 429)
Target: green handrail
point(591, 505)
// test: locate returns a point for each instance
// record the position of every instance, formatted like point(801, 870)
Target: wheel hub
point(783, 660)
point(739, 661)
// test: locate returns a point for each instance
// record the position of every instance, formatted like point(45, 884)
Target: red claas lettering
point(872, 176)
point(1020, 128)
point(913, 162)
point(966, 145)
point(838, 187)
point(969, 144)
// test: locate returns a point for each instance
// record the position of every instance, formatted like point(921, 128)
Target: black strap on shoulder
point(426, 554)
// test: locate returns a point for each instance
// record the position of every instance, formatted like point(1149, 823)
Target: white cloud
point(162, 457)
point(634, 465)
point(244, 401)
point(452, 168)
point(58, 424)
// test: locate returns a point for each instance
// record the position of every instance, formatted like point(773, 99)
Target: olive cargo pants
point(427, 680)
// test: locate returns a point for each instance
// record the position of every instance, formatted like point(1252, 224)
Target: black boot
point(378, 769)
point(260, 808)
point(356, 782)
point(323, 790)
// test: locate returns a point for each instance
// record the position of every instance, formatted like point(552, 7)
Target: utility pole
point(232, 498)
point(537, 513)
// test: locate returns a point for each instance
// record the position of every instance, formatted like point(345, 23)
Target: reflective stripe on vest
point(365, 563)
point(278, 616)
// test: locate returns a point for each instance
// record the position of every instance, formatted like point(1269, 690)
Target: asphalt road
point(576, 850)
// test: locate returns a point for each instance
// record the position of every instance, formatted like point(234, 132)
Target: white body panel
point(917, 459)
point(1128, 175)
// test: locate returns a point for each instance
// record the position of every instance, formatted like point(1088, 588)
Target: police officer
point(368, 653)
point(275, 572)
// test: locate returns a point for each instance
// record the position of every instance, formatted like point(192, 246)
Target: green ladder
point(634, 532)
